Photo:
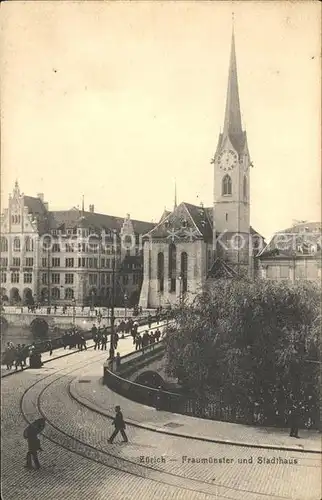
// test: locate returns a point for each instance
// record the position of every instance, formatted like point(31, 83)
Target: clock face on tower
point(227, 159)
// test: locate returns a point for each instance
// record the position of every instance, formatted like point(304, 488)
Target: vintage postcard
point(160, 250)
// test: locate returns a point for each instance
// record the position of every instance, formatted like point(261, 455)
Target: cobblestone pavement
point(100, 398)
point(78, 462)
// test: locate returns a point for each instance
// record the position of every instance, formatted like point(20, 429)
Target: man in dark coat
point(295, 420)
point(31, 434)
point(119, 424)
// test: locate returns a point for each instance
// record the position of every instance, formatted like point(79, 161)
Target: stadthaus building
point(72, 256)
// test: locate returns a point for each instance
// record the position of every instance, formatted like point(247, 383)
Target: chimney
point(46, 205)
point(91, 208)
point(41, 196)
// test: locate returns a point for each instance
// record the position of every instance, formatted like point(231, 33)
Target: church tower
point(232, 181)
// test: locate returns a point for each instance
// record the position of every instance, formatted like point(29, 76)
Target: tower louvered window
point(226, 185)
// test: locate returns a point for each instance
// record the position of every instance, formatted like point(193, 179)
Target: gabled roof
point(187, 221)
point(301, 239)
point(221, 269)
point(76, 218)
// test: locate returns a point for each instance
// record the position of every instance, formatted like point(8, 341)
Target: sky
point(116, 100)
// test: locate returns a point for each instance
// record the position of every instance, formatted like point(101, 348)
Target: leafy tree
point(250, 345)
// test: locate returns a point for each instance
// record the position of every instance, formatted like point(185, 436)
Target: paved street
point(77, 461)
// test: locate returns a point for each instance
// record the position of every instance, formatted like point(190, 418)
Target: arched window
point(172, 266)
point(161, 271)
point(29, 244)
point(245, 187)
point(69, 293)
point(226, 185)
point(3, 244)
point(184, 272)
point(55, 293)
point(16, 245)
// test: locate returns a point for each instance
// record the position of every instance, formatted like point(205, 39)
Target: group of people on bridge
point(16, 356)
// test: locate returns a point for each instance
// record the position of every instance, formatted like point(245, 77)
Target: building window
point(125, 279)
point(90, 263)
point(69, 247)
point(128, 252)
point(103, 279)
point(44, 262)
point(69, 294)
point(92, 279)
point(27, 278)
point(16, 245)
point(44, 277)
point(4, 261)
point(95, 263)
point(3, 244)
point(245, 187)
point(136, 280)
point(55, 262)
point(56, 248)
point(226, 217)
point(81, 262)
point(69, 279)
point(55, 278)
point(14, 277)
point(3, 277)
point(102, 263)
point(16, 261)
point(284, 272)
point(29, 261)
point(108, 263)
point(55, 293)
point(29, 244)
point(15, 219)
point(160, 271)
point(226, 185)
point(184, 272)
point(69, 262)
point(108, 279)
point(172, 266)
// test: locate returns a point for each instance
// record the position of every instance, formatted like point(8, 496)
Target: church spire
point(232, 123)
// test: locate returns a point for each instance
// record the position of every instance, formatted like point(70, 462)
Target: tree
point(249, 343)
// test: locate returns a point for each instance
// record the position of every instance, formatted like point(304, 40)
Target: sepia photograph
point(160, 250)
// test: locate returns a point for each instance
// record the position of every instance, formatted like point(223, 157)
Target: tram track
point(58, 436)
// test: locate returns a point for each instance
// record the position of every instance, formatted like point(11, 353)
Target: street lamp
point(74, 311)
point(125, 304)
point(180, 289)
point(112, 301)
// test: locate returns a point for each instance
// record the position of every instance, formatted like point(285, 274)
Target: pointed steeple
point(232, 123)
point(83, 208)
point(175, 194)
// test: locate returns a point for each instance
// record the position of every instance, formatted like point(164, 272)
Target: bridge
point(51, 319)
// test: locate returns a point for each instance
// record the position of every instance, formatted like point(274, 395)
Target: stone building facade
point(72, 256)
point(293, 254)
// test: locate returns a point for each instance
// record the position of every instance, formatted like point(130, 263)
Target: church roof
point(186, 221)
point(221, 269)
point(300, 239)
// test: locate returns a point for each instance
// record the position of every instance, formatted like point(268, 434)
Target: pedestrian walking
point(31, 434)
point(295, 420)
point(118, 361)
point(104, 341)
point(119, 424)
